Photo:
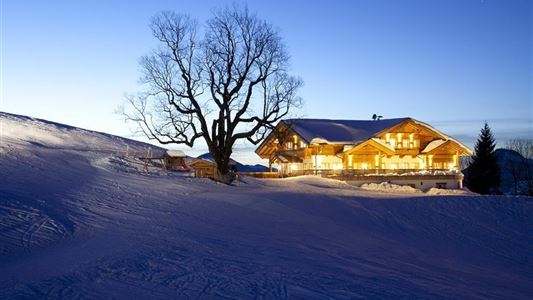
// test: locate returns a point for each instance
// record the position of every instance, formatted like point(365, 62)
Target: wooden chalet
point(402, 150)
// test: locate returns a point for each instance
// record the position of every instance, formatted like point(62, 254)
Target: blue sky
point(453, 64)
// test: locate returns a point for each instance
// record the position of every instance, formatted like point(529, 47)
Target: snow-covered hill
point(80, 220)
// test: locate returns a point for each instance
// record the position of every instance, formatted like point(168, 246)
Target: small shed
point(174, 160)
point(204, 168)
point(208, 168)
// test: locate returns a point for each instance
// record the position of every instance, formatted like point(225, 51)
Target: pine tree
point(484, 172)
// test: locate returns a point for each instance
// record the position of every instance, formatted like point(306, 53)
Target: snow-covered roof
point(382, 143)
point(432, 145)
point(209, 156)
point(339, 131)
point(175, 153)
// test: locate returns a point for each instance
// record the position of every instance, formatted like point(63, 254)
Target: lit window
point(288, 145)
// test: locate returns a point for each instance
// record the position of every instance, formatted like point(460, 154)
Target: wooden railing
point(364, 172)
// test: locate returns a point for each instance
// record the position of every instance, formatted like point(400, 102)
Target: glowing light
point(317, 161)
point(337, 166)
point(392, 142)
point(387, 137)
point(376, 161)
point(294, 167)
point(364, 166)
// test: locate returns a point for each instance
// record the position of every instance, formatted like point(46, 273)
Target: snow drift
point(78, 219)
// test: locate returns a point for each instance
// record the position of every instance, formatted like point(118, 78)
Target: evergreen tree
point(484, 173)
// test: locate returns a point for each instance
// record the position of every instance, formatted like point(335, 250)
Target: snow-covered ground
point(78, 219)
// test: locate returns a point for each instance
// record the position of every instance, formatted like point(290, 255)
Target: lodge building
point(402, 150)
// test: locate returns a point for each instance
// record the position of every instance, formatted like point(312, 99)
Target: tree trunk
point(224, 173)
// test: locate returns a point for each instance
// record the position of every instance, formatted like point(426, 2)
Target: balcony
point(367, 173)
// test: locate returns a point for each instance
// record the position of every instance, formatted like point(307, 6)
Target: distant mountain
point(506, 158)
point(240, 167)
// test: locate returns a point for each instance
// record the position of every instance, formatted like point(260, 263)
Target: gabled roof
point(433, 145)
point(437, 144)
point(339, 131)
point(373, 142)
point(175, 153)
point(209, 156)
point(350, 132)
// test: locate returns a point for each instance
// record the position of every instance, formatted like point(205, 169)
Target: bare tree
point(521, 169)
point(231, 84)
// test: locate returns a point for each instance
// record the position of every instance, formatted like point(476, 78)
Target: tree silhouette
point(230, 84)
point(484, 172)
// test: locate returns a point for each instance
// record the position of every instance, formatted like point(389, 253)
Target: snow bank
point(389, 188)
point(436, 191)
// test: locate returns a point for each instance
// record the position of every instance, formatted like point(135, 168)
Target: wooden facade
point(301, 146)
point(173, 163)
point(204, 169)
point(207, 168)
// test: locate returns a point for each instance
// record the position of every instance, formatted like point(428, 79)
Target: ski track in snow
point(82, 222)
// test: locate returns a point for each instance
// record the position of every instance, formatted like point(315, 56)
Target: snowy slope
point(81, 221)
point(24, 131)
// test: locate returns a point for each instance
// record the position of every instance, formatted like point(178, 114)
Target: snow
point(176, 153)
point(81, 219)
point(437, 191)
point(339, 131)
point(433, 145)
point(389, 187)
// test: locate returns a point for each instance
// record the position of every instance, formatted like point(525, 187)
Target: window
point(441, 185)
point(288, 145)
